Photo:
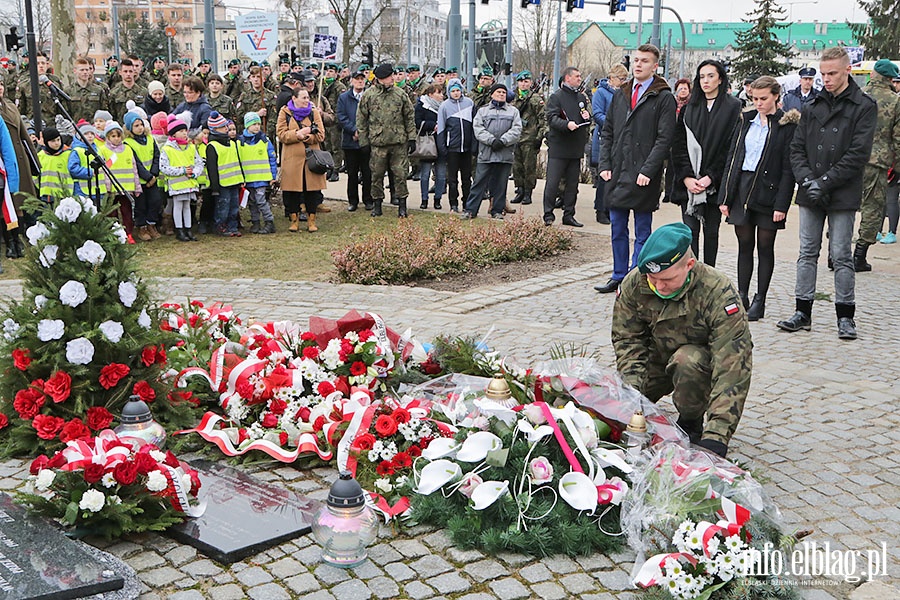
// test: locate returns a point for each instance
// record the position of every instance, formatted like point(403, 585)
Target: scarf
point(252, 138)
point(179, 142)
point(707, 133)
point(299, 113)
point(430, 103)
point(117, 148)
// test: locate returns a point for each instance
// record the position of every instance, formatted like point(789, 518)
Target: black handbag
point(319, 161)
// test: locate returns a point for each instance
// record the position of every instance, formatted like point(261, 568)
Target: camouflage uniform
point(252, 101)
point(120, 95)
point(175, 97)
point(87, 100)
point(223, 104)
point(112, 77)
point(234, 85)
point(534, 127)
point(689, 346)
point(480, 96)
point(334, 132)
point(161, 76)
point(885, 148)
point(385, 123)
point(272, 84)
point(48, 108)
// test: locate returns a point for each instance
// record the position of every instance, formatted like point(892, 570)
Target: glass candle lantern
point(636, 437)
point(137, 425)
point(345, 525)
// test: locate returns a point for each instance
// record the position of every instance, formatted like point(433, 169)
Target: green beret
point(526, 74)
point(399, 69)
point(113, 57)
point(440, 71)
point(284, 60)
point(297, 63)
point(486, 72)
point(313, 65)
point(363, 67)
point(412, 68)
point(265, 63)
point(452, 70)
point(665, 247)
point(253, 63)
point(887, 69)
point(343, 66)
point(162, 58)
point(205, 61)
point(331, 65)
point(234, 62)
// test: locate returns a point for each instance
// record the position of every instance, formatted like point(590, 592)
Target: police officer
point(127, 89)
point(679, 327)
point(87, 95)
point(534, 126)
point(234, 82)
point(385, 124)
point(803, 94)
point(332, 90)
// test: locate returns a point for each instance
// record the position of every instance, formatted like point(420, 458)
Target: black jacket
point(426, 120)
point(563, 106)
point(832, 143)
point(773, 186)
point(637, 142)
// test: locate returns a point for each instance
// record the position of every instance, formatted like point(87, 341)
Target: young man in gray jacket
point(497, 128)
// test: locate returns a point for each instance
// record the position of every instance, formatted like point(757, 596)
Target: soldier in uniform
point(297, 67)
point(414, 82)
point(234, 82)
point(10, 76)
point(218, 100)
point(385, 124)
point(269, 81)
point(440, 78)
point(204, 68)
point(679, 327)
point(314, 67)
point(158, 72)
point(331, 91)
point(344, 75)
point(885, 149)
point(284, 67)
point(481, 93)
point(127, 89)
point(256, 98)
point(534, 127)
point(174, 91)
point(87, 95)
point(48, 108)
point(112, 71)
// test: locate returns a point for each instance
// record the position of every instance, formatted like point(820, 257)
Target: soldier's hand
point(606, 175)
point(410, 146)
point(261, 112)
point(538, 143)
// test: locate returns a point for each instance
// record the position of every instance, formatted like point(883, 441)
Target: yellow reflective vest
point(229, 164)
point(255, 161)
point(121, 165)
point(183, 156)
point(56, 182)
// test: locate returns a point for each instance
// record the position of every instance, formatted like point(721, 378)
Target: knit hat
point(665, 247)
point(159, 123)
point(50, 134)
point(154, 86)
point(111, 126)
point(454, 83)
point(498, 86)
point(174, 125)
point(215, 120)
point(85, 127)
point(130, 118)
point(251, 118)
point(887, 69)
point(139, 110)
point(103, 114)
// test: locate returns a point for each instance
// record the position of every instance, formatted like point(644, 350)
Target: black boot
point(180, 235)
point(254, 227)
point(745, 300)
point(845, 324)
point(401, 209)
point(757, 309)
point(424, 204)
point(10, 245)
point(17, 242)
point(190, 234)
point(376, 209)
point(801, 319)
point(526, 197)
point(859, 258)
point(517, 199)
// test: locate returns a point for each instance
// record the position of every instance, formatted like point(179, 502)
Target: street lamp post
point(790, 6)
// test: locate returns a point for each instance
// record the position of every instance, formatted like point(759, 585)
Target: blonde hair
point(618, 71)
point(836, 53)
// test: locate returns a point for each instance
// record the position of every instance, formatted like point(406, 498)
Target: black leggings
point(292, 201)
point(764, 240)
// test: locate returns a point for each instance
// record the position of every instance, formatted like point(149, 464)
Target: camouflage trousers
point(333, 139)
point(525, 166)
point(871, 209)
point(393, 158)
point(687, 375)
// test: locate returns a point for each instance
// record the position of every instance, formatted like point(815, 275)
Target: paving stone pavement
point(821, 424)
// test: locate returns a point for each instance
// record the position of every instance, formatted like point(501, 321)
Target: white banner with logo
point(257, 34)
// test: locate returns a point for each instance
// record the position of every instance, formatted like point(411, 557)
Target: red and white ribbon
point(79, 453)
point(651, 571)
point(179, 497)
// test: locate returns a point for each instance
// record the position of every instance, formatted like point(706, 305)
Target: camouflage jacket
point(252, 101)
point(333, 91)
point(160, 76)
point(87, 100)
point(48, 107)
point(175, 97)
point(531, 109)
point(385, 117)
point(707, 313)
point(223, 104)
point(272, 84)
point(886, 145)
point(234, 85)
point(480, 96)
point(112, 78)
point(120, 95)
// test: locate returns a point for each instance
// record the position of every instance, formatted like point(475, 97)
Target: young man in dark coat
point(634, 145)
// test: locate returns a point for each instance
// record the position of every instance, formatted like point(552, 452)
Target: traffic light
point(525, 3)
point(613, 7)
point(570, 5)
point(294, 55)
point(369, 55)
point(485, 1)
point(14, 40)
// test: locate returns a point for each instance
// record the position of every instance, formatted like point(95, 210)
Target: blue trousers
point(228, 206)
point(618, 220)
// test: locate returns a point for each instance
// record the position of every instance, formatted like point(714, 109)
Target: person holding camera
point(300, 127)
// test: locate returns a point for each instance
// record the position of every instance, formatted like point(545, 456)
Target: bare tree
point(534, 38)
point(595, 60)
point(64, 43)
point(356, 22)
point(299, 11)
point(9, 17)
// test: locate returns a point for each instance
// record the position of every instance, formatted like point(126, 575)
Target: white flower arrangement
point(72, 293)
point(36, 233)
point(88, 205)
point(11, 330)
point(144, 319)
point(50, 329)
point(80, 351)
point(44, 479)
point(127, 293)
point(40, 301)
point(156, 481)
point(91, 252)
point(92, 500)
point(68, 210)
point(47, 256)
point(112, 331)
point(120, 233)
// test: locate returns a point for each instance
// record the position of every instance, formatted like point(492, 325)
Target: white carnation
point(115, 500)
point(158, 455)
point(36, 233)
point(120, 233)
point(48, 255)
point(68, 210)
point(91, 252)
point(186, 483)
point(72, 293)
point(92, 500)
point(127, 293)
point(79, 351)
point(108, 480)
point(44, 479)
point(156, 481)
point(384, 485)
point(50, 329)
point(40, 301)
point(88, 205)
point(112, 330)
point(10, 330)
point(144, 319)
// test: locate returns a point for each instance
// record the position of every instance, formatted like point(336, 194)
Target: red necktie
point(635, 95)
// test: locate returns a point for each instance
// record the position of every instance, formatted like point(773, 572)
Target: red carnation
point(385, 426)
point(145, 463)
point(358, 368)
point(112, 374)
point(385, 468)
point(263, 352)
point(192, 320)
point(59, 386)
point(346, 346)
point(195, 482)
point(303, 414)
point(277, 406)
point(307, 336)
point(282, 438)
point(269, 420)
point(4, 420)
point(21, 358)
point(425, 441)
point(148, 355)
point(47, 427)
point(161, 355)
point(74, 430)
point(280, 377)
point(145, 391)
point(98, 418)
point(125, 472)
point(39, 463)
point(197, 303)
point(365, 334)
point(319, 423)
point(311, 352)
point(242, 435)
point(401, 415)
point(245, 389)
point(171, 460)
point(401, 460)
point(93, 472)
point(28, 402)
point(364, 442)
point(414, 451)
point(325, 388)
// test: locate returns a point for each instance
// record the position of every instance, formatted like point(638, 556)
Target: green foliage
point(759, 52)
point(410, 252)
point(881, 34)
point(147, 40)
point(461, 355)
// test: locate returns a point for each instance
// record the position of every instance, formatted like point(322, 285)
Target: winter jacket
point(773, 184)
point(151, 107)
point(493, 122)
point(346, 116)
point(199, 112)
point(385, 117)
point(426, 119)
point(599, 105)
point(454, 128)
point(563, 106)
point(637, 142)
point(295, 177)
point(832, 144)
point(793, 99)
point(80, 174)
point(9, 163)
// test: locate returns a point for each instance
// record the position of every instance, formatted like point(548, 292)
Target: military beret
point(440, 71)
point(807, 72)
point(234, 62)
point(297, 63)
point(331, 65)
point(486, 72)
point(887, 69)
point(253, 63)
point(162, 58)
point(113, 57)
point(205, 61)
point(412, 68)
point(526, 74)
point(452, 70)
point(265, 63)
point(363, 68)
point(665, 247)
point(284, 60)
point(313, 65)
point(399, 69)
point(343, 66)
point(383, 70)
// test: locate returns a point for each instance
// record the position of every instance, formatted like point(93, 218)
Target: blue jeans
point(440, 179)
point(227, 208)
point(618, 219)
point(840, 247)
point(493, 177)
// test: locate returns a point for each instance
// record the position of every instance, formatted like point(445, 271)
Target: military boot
point(860, 264)
point(517, 199)
point(401, 208)
point(376, 209)
point(526, 197)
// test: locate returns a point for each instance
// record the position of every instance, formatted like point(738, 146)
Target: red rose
point(269, 420)
point(56, 461)
point(365, 334)
point(112, 374)
point(277, 406)
point(307, 336)
point(385, 426)
point(414, 451)
point(430, 367)
point(364, 441)
point(401, 415)
point(401, 460)
point(280, 377)
point(93, 472)
point(385, 468)
point(148, 355)
point(59, 386)
point(311, 352)
point(325, 388)
point(98, 418)
point(242, 435)
point(74, 430)
point(145, 463)
point(319, 423)
point(39, 463)
point(125, 472)
point(283, 438)
point(28, 402)
point(303, 414)
point(358, 368)
point(144, 390)
point(21, 358)
point(47, 427)
point(172, 460)
point(4, 420)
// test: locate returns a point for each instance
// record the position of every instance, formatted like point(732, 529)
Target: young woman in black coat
point(758, 187)
point(426, 116)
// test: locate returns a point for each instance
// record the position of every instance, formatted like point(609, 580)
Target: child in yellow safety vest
point(258, 160)
point(56, 182)
point(128, 171)
point(182, 166)
point(86, 178)
point(147, 205)
point(225, 176)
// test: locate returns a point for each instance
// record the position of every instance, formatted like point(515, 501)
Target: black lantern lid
point(346, 492)
point(135, 411)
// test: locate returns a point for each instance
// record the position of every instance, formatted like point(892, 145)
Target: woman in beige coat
point(300, 126)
